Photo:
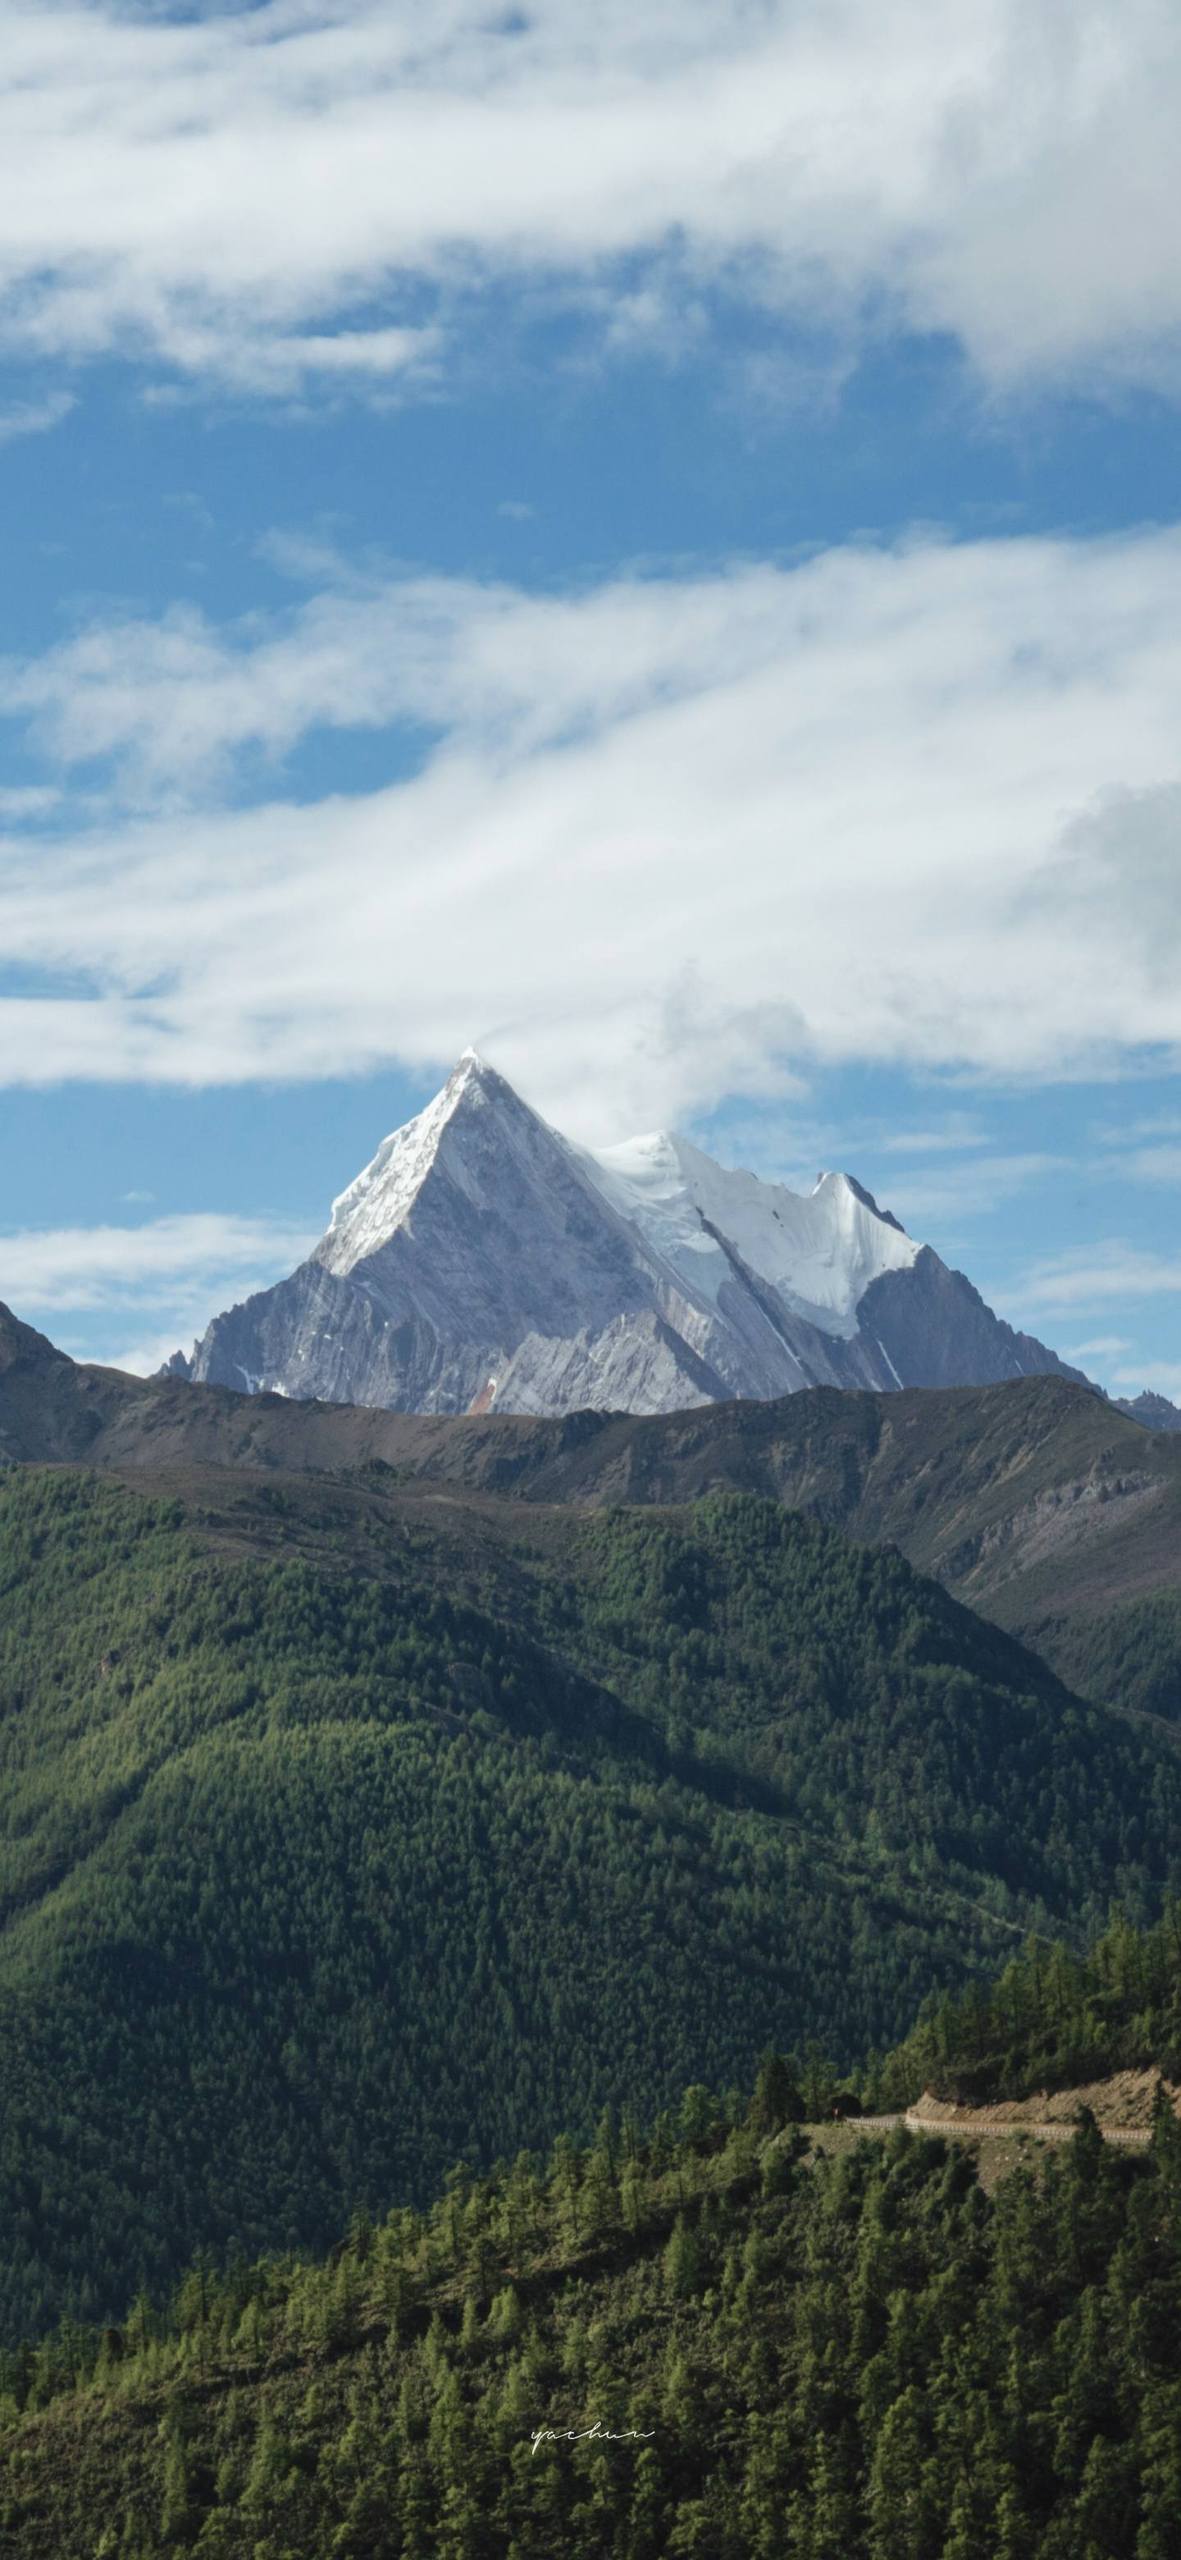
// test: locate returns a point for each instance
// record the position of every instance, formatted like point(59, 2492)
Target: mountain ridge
point(1037, 1502)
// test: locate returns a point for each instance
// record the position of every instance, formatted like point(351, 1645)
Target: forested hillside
point(699, 2340)
point(338, 1841)
point(1055, 2019)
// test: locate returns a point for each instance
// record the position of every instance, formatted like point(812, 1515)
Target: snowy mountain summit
point(481, 1261)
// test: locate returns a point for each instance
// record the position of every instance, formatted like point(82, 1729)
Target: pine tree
point(900, 2496)
point(174, 2512)
point(682, 2261)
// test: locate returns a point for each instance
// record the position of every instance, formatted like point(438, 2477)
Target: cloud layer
point(666, 840)
point(84, 1267)
point(225, 192)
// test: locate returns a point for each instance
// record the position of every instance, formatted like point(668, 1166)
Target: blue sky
point(649, 544)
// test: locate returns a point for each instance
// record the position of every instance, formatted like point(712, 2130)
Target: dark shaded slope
point(49, 1408)
point(937, 1330)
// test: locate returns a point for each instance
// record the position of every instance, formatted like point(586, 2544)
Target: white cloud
point(120, 1266)
point(1154, 1164)
point(282, 366)
point(917, 805)
point(19, 806)
point(158, 1283)
point(1094, 1276)
point(956, 1131)
point(198, 188)
point(35, 417)
point(1102, 1346)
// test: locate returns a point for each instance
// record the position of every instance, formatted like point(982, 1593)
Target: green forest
point(330, 1854)
point(1055, 2019)
point(707, 2336)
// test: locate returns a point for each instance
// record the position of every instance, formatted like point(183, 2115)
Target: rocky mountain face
point(481, 1262)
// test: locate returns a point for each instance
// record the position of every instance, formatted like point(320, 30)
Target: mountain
point(482, 1263)
point(349, 1827)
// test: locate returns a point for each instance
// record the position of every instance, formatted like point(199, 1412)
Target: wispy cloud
point(824, 813)
point(198, 188)
point(21, 805)
point(73, 1268)
point(286, 365)
point(1153, 1164)
point(35, 417)
point(950, 1136)
point(1133, 1127)
point(1113, 1272)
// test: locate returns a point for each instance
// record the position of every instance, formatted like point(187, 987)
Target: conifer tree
point(682, 2261)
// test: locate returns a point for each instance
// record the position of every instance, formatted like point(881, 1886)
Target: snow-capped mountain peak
point(481, 1259)
point(381, 1197)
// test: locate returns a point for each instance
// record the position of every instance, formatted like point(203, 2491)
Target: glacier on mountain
point(819, 1252)
point(481, 1261)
